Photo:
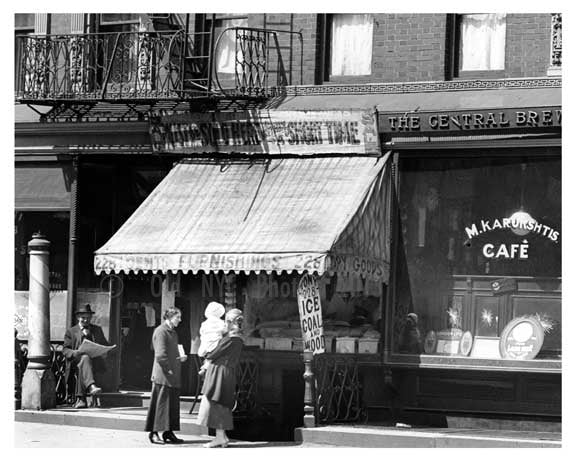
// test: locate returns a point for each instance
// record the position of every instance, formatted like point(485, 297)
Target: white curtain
point(351, 49)
point(226, 57)
point(483, 39)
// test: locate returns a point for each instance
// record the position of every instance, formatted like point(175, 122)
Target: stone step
point(392, 437)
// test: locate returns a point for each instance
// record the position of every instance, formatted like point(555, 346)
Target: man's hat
point(86, 309)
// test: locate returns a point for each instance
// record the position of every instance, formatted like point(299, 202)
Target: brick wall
point(527, 45)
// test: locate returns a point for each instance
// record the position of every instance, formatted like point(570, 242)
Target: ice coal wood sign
point(266, 132)
point(310, 311)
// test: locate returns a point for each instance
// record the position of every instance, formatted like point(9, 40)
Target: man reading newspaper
point(79, 357)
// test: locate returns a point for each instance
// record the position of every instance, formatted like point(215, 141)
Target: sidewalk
point(39, 435)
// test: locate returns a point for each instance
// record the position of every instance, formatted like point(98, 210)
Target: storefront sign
point(310, 311)
point(267, 132)
point(468, 121)
point(522, 339)
point(499, 250)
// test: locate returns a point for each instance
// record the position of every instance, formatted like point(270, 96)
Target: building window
point(228, 55)
point(479, 45)
point(482, 41)
point(479, 247)
point(350, 42)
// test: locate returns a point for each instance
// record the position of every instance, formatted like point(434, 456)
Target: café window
point(479, 247)
point(350, 39)
point(479, 44)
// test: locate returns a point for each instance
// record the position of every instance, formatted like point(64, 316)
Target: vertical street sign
point(310, 314)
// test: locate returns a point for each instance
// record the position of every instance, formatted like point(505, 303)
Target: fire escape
point(126, 75)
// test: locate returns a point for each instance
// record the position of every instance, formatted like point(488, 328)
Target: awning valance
point(298, 214)
point(42, 188)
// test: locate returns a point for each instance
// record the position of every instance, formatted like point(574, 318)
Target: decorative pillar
point(38, 384)
point(309, 390)
point(72, 286)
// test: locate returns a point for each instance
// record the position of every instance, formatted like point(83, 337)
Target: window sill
point(472, 363)
point(480, 75)
point(554, 72)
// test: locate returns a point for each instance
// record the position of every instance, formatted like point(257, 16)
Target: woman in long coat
point(219, 389)
point(164, 411)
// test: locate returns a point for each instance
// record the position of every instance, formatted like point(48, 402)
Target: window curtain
point(483, 39)
point(351, 48)
point(226, 53)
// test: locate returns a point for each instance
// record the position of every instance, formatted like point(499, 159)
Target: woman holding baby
point(219, 388)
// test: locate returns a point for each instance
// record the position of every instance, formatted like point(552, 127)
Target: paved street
point(38, 435)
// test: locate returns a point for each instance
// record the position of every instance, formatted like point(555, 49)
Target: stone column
point(38, 383)
point(309, 391)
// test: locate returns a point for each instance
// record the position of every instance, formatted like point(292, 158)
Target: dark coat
point(166, 368)
point(220, 380)
point(72, 340)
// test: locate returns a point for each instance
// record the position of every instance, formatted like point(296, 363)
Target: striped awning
point(299, 214)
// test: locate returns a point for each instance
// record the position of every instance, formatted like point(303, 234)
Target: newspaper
point(181, 350)
point(93, 350)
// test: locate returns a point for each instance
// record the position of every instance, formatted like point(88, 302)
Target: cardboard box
point(346, 345)
point(298, 344)
point(255, 342)
point(368, 345)
point(278, 344)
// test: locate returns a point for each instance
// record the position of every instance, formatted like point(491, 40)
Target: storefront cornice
point(420, 87)
point(36, 128)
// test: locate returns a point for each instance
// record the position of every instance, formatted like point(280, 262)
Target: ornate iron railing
point(247, 381)
point(146, 66)
point(64, 391)
point(338, 390)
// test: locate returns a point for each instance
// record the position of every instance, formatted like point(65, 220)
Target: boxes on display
point(278, 344)
point(346, 345)
point(298, 344)
point(367, 345)
point(254, 342)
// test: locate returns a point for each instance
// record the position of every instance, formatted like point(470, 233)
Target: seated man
point(85, 384)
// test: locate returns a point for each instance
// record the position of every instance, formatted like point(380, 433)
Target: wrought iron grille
point(338, 390)
point(247, 381)
point(260, 67)
point(145, 66)
point(64, 390)
point(105, 66)
point(556, 46)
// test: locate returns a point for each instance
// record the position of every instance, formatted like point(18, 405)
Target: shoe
point(80, 403)
point(215, 444)
point(93, 389)
point(169, 437)
point(155, 438)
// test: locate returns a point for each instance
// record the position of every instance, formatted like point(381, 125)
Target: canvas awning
point(42, 188)
point(297, 214)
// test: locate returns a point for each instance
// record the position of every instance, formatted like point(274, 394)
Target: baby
point(211, 331)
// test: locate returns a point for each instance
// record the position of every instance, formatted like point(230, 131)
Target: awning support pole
point(72, 246)
point(309, 390)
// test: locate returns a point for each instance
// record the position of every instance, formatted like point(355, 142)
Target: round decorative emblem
point(466, 343)
point(521, 339)
point(430, 342)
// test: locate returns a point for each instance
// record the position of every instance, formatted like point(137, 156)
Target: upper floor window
point(228, 54)
point(482, 42)
point(351, 44)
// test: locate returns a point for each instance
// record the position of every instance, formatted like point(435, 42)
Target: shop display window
point(54, 225)
point(350, 309)
point(479, 256)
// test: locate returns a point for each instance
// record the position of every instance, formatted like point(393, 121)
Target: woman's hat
point(214, 309)
point(86, 309)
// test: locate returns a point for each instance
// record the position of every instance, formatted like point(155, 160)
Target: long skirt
point(164, 410)
point(212, 414)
